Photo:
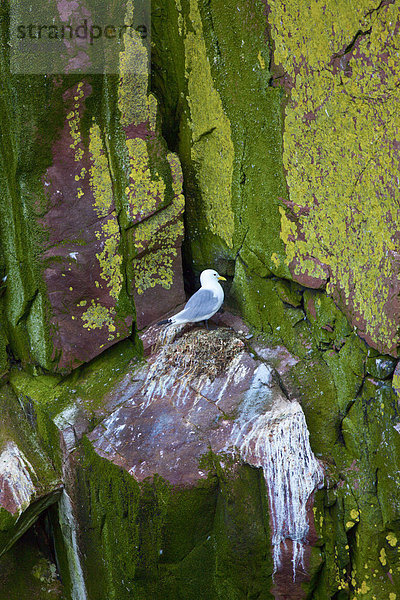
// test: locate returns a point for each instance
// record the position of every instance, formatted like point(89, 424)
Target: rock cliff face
point(257, 459)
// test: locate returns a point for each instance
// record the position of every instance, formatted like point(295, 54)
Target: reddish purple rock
point(81, 260)
point(204, 391)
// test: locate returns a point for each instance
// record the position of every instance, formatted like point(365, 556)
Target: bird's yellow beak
point(221, 278)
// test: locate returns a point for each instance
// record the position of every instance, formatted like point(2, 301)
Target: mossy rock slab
point(29, 482)
point(161, 541)
point(216, 100)
point(92, 210)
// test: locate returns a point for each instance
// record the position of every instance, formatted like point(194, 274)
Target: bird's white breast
point(216, 289)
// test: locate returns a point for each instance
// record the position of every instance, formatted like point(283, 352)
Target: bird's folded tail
point(164, 322)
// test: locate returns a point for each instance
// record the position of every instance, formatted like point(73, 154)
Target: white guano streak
point(270, 432)
point(278, 441)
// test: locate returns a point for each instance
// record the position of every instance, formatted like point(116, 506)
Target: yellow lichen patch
point(154, 269)
point(143, 192)
point(176, 172)
point(364, 589)
point(343, 585)
point(109, 259)
point(392, 596)
point(152, 111)
point(159, 235)
point(178, 5)
point(288, 229)
point(391, 538)
point(261, 60)
point(342, 129)
point(108, 233)
point(275, 259)
point(153, 231)
point(98, 316)
point(100, 179)
point(355, 517)
point(212, 147)
point(382, 557)
point(74, 120)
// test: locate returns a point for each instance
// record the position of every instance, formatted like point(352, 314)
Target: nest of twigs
point(200, 353)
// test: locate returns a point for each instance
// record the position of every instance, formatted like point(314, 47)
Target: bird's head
point(209, 275)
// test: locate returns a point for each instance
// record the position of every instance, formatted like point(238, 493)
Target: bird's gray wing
point(201, 304)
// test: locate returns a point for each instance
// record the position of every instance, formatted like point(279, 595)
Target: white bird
point(204, 303)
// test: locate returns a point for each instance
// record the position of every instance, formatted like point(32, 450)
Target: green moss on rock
point(45, 397)
point(316, 388)
point(212, 82)
point(208, 541)
point(243, 567)
point(32, 475)
point(258, 300)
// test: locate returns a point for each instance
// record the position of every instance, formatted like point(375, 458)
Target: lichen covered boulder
point(92, 211)
point(186, 436)
point(340, 148)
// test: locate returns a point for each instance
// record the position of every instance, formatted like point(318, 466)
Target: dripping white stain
point(277, 440)
point(270, 432)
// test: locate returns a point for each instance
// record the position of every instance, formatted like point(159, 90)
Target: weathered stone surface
point(341, 146)
point(92, 210)
point(28, 481)
point(83, 272)
point(205, 392)
point(202, 393)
